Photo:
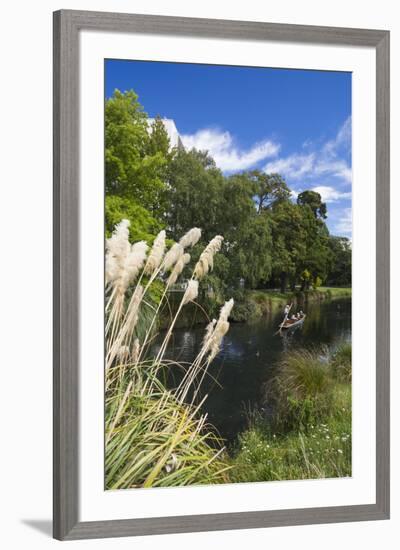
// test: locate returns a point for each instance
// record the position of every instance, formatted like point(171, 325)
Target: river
point(248, 354)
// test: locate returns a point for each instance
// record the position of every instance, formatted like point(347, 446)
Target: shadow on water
point(248, 354)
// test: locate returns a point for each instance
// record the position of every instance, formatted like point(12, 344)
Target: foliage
point(340, 270)
point(157, 441)
point(317, 282)
point(134, 167)
point(313, 201)
point(279, 446)
point(324, 451)
point(158, 141)
point(301, 390)
point(289, 238)
point(269, 189)
point(246, 310)
point(270, 240)
point(196, 188)
point(143, 225)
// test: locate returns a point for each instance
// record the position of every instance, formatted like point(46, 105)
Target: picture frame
point(67, 27)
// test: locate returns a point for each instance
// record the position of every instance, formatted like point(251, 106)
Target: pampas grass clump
point(154, 436)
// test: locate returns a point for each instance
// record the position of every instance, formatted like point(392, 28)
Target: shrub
point(245, 311)
point(301, 391)
point(317, 282)
point(307, 432)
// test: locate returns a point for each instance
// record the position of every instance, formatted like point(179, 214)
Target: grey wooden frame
point(67, 26)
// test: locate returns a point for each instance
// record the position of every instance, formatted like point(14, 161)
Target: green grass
point(335, 292)
point(155, 441)
point(301, 392)
point(309, 433)
point(341, 363)
point(323, 451)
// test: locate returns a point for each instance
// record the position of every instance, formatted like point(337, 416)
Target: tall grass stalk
point(154, 437)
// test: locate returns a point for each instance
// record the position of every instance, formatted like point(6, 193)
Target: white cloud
point(222, 148)
point(332, 167)
point(294, 166)
point(327, 161)
point(344, 224)
point(329, 194)
point(341, 141)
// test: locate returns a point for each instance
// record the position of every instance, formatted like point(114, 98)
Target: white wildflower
point(156, 253)
point(191, 292)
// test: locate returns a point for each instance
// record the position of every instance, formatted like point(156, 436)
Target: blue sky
point(294, 122)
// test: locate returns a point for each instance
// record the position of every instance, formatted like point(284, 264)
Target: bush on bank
point(307, 431)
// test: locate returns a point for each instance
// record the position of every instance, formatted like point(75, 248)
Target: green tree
point(269, 189)
point(143, 225)
point(130, 169)
point(340, 268)
point(314, 201)
point(317, 255)
point(158, 139)
point(195, 195)
point(247, 230)
point(289, 241)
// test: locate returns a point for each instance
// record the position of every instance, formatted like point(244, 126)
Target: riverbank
point(250, 305)
point(308, 434)
point(256, 303)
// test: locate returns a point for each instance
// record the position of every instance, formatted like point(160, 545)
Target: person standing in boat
point(286, 310)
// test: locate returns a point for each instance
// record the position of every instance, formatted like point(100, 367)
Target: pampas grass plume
point(206, 260)
point(172, 256)
point(191, 292)
point(156, 253)
point(178, 268)
point(191, 238)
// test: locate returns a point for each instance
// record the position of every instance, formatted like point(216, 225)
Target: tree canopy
point(270, 240)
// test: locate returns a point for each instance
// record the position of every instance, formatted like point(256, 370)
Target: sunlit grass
point(308, 434)
point(153, 440)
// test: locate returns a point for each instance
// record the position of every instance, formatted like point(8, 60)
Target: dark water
point(248, 354)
